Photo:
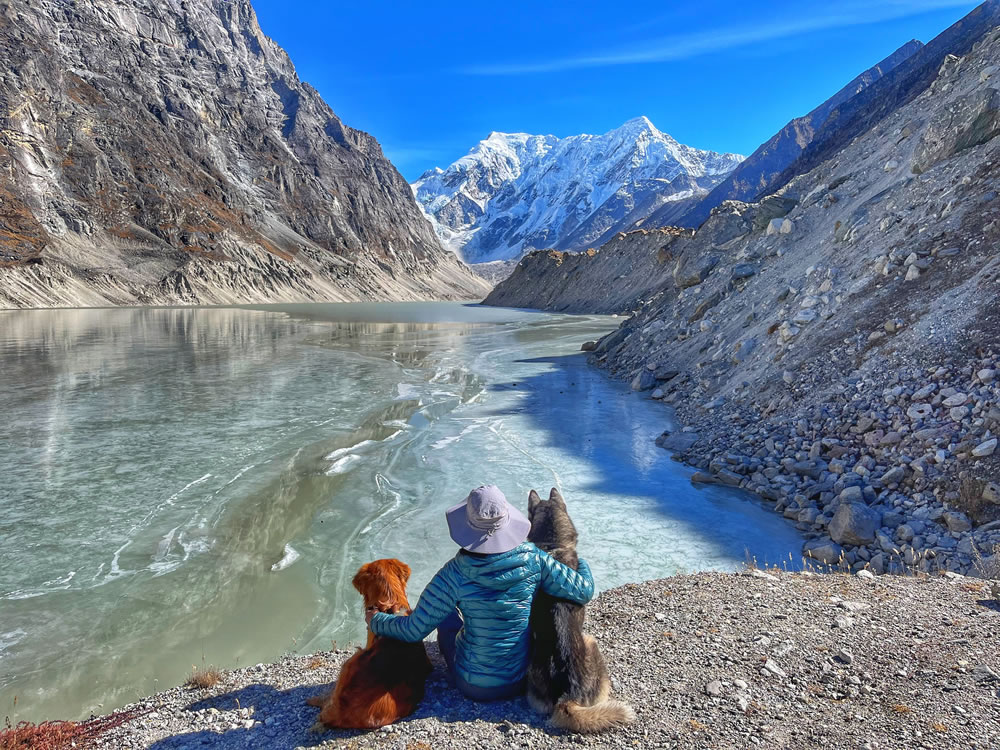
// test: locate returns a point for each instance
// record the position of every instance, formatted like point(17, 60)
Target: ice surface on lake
point(165, 468)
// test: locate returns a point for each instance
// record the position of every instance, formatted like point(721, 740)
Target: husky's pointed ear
point(556, 497)
point(533, 501)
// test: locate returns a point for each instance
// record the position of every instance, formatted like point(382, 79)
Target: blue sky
point(431, 79)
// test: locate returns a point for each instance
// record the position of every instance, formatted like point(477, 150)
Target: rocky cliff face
point(900, 86)
point(617, 278)
point(835, 347)
point(760, 171)
point(513, 193)
point(166, 152)
point(842, 359)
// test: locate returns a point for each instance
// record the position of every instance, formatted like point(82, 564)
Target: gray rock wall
point(167, 152)
point(615, 279)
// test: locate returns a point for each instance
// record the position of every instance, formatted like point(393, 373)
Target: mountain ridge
point(758, 173)
point(514, 192)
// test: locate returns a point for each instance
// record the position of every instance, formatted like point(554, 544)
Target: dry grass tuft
point(204, 678)
point(316, 663)
point(937, 726)
point(988, 566)
point(899, 708)
point(695, 726)
point(49, 735)
point(58, 735)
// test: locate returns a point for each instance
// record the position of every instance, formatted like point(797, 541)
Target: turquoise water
point(197, 486)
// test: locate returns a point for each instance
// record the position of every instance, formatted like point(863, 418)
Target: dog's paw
point(318, 728)
point(316, 700)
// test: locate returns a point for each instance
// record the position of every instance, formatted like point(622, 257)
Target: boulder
point(804, 316)
point(854, 524)
point(787, 331)
point(852, 495)
point(905, 533)
point(772, 207)
point(811, 469)
point(919, 411)
point(808, 515)
point(991, 493)
point(612, 340)
point(895, 475)
point(970, 120)
point(644, 381)
point(730, 478)
point(704, 306)
point(703, 477)
point(665, 373)
point(779, 226)
point(678, 442)
point(823, 550)
point(743, 271)
point(956, 521)
point(588, 346)
point(985, 449)
point(694, 271)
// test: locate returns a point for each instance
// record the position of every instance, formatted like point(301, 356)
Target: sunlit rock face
point(167, 152)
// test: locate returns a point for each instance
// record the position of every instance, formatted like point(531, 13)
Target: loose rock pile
point(836, 348)
point(878, 475)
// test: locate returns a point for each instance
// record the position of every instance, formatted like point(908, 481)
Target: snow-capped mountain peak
point(516, 192)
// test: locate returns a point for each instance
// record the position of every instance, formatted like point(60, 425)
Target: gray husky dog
point(567, 677)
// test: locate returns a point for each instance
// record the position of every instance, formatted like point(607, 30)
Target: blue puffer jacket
point(493, 593)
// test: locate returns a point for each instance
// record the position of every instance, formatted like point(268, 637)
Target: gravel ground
point(708, 661)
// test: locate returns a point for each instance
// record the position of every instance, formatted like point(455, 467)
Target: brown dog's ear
point(556, 497)
point(400, 568)
point(362, 579)
point(533, 501)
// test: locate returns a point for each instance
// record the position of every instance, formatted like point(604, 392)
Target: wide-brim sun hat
point(486, 523)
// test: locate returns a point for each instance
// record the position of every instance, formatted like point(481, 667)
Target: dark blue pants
point(447, 631)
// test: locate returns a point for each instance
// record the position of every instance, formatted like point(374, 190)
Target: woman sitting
point(480, 601)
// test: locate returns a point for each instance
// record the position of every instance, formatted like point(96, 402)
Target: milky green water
point(183, 487)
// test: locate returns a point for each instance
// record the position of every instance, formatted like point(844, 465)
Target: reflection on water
point(188, 486)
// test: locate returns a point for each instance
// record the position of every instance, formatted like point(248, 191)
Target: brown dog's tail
point(607, 714)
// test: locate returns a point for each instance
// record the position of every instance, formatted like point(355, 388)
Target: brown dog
point(384, 681)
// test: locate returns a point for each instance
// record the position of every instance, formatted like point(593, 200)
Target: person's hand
point(369, 613)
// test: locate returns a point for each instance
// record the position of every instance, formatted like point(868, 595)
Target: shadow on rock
point(283, 721)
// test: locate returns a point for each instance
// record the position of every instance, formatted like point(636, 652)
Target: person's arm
point(562, 582)
point(436, 603)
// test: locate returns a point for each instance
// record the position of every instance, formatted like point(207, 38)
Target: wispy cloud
point(683, 46)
